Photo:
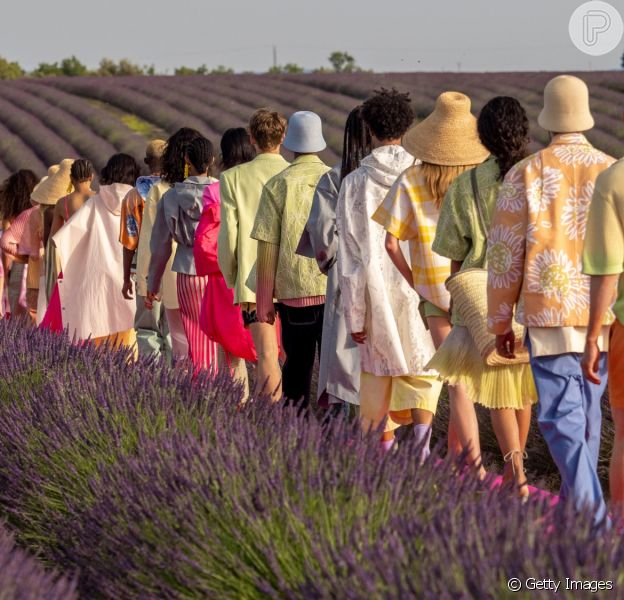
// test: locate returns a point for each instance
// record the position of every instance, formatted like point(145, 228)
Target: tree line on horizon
point(341, 62)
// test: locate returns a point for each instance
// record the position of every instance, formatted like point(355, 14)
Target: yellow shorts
point(396, 397)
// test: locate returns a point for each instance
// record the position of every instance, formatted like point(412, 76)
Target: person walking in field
point(177, 218)
point(534, 258)
point(603, 260)
point(151, 325)
point(339, 370)
point(381, 308)
point(174, 170)
point(15, 199)
point(240, 190)
point(219, 318)
point(293, 280)
point(91, 260)
point(446, 144)
point(461, 235)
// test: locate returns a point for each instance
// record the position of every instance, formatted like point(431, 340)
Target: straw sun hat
point(468, 289)
point(448, 136)
point(53, 187)
point(566, 106)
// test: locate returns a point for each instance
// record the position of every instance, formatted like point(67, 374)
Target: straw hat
point(155, 150)
point(448, 136)
point(566, 106)
point(53, 187)
point(468, 289)
point(305, 133)
point(53, 169)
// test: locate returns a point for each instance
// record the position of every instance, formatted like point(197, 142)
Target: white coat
point(376, 297)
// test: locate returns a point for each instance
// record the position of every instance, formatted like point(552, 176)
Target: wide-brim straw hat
point(448, 136)
point(305, 133)
point(53, 169)
point(566, 106)
point(51, 189)
point(468, 289)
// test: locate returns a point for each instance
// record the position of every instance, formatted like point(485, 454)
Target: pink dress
point(219, 319)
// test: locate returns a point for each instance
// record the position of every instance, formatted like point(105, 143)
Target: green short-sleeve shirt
point(604, 241)
point(459, 234)
point(284, 208)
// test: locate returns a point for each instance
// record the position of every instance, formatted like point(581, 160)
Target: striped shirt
point(409, 212)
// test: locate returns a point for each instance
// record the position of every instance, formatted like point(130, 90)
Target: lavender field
point(45, 120)
point(133, 481)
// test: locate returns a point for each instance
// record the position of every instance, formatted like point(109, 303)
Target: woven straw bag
point(468, 289)
point(469, 292)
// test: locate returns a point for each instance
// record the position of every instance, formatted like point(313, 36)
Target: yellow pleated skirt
point(458, 361)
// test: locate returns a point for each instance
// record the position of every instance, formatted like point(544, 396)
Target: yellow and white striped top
point(409, 212)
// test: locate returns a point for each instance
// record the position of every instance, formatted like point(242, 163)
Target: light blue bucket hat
point(305, 133)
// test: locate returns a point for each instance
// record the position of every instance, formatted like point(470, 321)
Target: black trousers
point(302, 330)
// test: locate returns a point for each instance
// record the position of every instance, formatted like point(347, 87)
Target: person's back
point(241, 188)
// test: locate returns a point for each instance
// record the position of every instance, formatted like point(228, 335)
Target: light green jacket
point(282, 216)
point(241, 188)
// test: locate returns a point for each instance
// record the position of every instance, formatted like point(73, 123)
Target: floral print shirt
point(536, 241)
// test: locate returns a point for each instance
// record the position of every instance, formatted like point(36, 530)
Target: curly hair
point(200, 153)
point(388, 114)
point(357, 142)
point(15, 193)
point(236, 148)
point(120, 168)
point(173, 160)
point(267, 127)
point(504, 130)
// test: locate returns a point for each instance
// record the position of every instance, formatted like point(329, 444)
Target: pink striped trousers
point(202, 351)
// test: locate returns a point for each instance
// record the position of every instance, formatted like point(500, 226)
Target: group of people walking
point(436, 252)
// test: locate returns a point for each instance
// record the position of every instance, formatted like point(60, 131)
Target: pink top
point(12, 238)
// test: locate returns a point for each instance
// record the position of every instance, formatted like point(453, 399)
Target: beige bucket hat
point(448, 136)
point(54, 187)
point(566, 106)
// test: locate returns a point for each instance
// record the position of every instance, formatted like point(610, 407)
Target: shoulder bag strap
point(479, 202)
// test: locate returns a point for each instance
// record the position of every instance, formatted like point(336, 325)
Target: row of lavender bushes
point(146, 483)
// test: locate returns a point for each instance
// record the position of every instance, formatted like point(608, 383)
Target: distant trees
point(110, 68)
point(342, 62)
point(69, 67)
point(203, 70)
point(287, 68)
point(10, 70)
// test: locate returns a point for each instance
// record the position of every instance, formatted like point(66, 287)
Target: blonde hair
point(438, 178)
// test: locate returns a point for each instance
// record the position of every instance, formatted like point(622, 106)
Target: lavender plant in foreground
point(23, 578)
point(152, 484)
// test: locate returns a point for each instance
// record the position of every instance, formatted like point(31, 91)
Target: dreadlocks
point(357, 142)
point(200, 153)
point(173, 157)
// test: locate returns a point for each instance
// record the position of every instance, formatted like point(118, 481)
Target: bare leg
point(507, 433)
point(464, 419)
point(616, 469)
point(523, 417)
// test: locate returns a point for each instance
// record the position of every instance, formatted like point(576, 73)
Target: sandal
point(523, 487)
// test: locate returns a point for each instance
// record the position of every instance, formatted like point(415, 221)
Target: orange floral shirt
point(535, 245)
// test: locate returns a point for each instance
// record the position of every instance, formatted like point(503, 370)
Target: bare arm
point(601, 297)
point(393, 249)
point(127, 290)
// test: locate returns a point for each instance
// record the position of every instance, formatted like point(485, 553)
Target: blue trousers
point(570, 420)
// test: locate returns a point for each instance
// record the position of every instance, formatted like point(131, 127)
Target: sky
point(383, 35)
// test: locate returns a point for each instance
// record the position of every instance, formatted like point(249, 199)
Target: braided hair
point(200, 153)
point(504, 130)
point(357, 142)
point(15, 193)
point(81, 170)
point(173, 160)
